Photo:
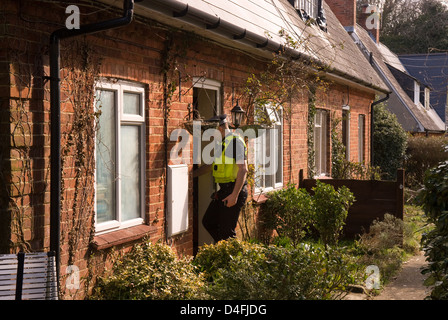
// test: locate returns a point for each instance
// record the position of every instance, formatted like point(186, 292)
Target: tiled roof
point(404, 107)
point(258, 23)
point(432, 69)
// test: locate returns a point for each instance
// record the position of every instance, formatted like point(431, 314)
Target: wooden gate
point(373, 200)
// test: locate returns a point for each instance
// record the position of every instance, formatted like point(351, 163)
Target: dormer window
point(416, 93)
point(311, 10)
point(427, 96)
point(307, 8)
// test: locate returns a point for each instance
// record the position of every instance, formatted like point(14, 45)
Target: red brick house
point(123, 92)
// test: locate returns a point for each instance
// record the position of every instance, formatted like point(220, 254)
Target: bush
point(331, 209)
point(434, 199)
point(389, 142)
point(213, 257)
point(149, 272)
point(422, 154)
point(382, 246)
point(383, 234)
point(272, 272)
point(289, 212)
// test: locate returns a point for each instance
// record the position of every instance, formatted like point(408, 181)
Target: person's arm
point(232, 198)
point(202, 170)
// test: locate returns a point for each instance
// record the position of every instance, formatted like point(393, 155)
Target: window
point(416, 93)
point(427, 96)
point(119, 143)
point(320, 142)
point(268, 153)
point(310, 7)
point(361, 137)
point(346, 131)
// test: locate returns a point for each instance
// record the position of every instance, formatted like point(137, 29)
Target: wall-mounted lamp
point(237, 115)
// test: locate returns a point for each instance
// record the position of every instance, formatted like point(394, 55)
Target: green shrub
point(434, 199)
point(331, 209)
point(150, 272)
point(389, 142)
point(422, 154)
point(213, 257)
point(289, 211)
point(383, 234)
point(271, 272)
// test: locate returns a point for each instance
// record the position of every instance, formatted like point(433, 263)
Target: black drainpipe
point(372, 122)
point(55, 94)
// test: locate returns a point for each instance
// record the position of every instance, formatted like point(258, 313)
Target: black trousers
point(220, 221)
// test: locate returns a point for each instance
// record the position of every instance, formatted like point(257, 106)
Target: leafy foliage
point(254, 271)
point(289, 211)
point(341, 167)
point(149, 272)
point(331, 209)
point(434, 198)
point(412, 26)
point(389, 142)
point(422, 154)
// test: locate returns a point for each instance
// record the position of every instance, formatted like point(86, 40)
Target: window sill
point(259, 199)
point(260, 195)
point(122, 236)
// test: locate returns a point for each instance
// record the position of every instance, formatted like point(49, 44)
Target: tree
point(389, 142)
point(412, 26)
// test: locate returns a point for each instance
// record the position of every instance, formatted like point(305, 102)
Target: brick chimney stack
point(369, 19)
point(345, 11)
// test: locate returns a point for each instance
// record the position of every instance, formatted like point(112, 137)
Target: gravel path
point(408, 285)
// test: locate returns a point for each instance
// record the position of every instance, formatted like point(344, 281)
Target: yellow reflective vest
point(225, 169)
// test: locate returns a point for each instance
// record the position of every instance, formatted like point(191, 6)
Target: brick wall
point(345, 11)
point(133, 53)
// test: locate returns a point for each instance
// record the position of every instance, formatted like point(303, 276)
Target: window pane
point(317, 145)
point(320, 142)
point(279, 155)
point(259, 152)
point(268, 166)
point(131, 103)
point(130, 172)
point(361, 137)
point(105, 157)
point(324, 143)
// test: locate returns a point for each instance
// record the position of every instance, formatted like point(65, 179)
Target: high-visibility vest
point(225, 169)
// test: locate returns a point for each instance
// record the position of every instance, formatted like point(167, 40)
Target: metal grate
point(28, 276)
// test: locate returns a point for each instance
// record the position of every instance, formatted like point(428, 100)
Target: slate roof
point(432, 69)
point(258, 22)
point(413, 118)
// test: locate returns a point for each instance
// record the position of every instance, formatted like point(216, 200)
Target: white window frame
point(361, 137)
point(276, 118)
point(119, 88)
point(311, 7)
point(321, 168)
point(210, 84)
point(427, 98)
point(346, 112)
point(416, 93)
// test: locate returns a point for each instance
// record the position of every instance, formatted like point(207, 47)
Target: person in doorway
point(229, 171)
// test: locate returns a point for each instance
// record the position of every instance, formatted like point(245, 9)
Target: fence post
point(300, 178)
point(400, 193)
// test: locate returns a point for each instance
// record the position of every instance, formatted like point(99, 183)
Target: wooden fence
point(373, 200)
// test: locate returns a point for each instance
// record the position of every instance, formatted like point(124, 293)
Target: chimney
point(369, 19)
point(345, 11)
